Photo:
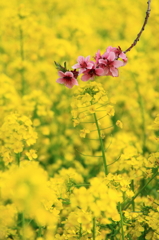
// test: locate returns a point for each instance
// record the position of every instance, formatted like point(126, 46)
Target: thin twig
point(102, 146)
point(86, 155)
point(91, 138)
point(114, 161)
point(101, 129)
point(85, 122)
point(135, 196)
point(109, 144)
point(143, 27)
point(102, 117)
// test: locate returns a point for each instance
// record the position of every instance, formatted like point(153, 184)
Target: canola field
point(79, 160)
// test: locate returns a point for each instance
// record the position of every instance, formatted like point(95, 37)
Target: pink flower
point(118, 53)
point(98, 56)
point(89, 74)
point(67, 78)
point(110, 64)
point(83, 64)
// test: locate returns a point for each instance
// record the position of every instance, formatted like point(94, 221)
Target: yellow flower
point(92, 109)
point(83, 132)
point(110, 110)
point(18, 147)
point(31, 154)
point(75, 122)
point(119, 124)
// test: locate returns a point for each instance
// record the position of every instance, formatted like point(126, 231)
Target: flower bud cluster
point(90, 99)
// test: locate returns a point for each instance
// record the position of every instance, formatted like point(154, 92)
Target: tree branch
point(142, 29)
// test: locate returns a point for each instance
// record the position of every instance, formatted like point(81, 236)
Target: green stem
point(40, 232)
point(84, 184)
point(135, 196)
point(141, 105)
point(102, 146)
point(121, 222)
point(18, 159)
point(80, 231)
point(23, 225)
point(94, 228)
point(133, 203)
point(22, 59)
point(21, 43)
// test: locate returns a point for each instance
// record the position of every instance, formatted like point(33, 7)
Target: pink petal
point(117, 63)
point(75, 82)
point(77, 65)
point(82, 70)
point(60, 80)
point(98, 56)
point(111, 56)
point(106, 71)
point(68, 74)
point(71, 83)
point(103, 61)
point(105, 55)
point(109, 49)
point(80, 59)
point(85, 77)
point(114, 72)
point(90, 65)
point(123, 56)
point(99, 71)
point(87, 59)
point(61, 74)
point(124, 62)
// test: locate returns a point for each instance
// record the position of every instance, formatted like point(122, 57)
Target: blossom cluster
point(106, 64)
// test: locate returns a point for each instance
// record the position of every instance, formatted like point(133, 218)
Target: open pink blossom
point(67, 78)
point(98, 56)
point(90, 74)
point(110, 65)
point(83, 64)
point(118, 53)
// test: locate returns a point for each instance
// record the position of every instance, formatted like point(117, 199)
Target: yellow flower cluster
point(16, 134)
point(98, 199)
point(90, 100)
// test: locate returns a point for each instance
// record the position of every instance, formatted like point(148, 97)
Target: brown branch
point(142, 29)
